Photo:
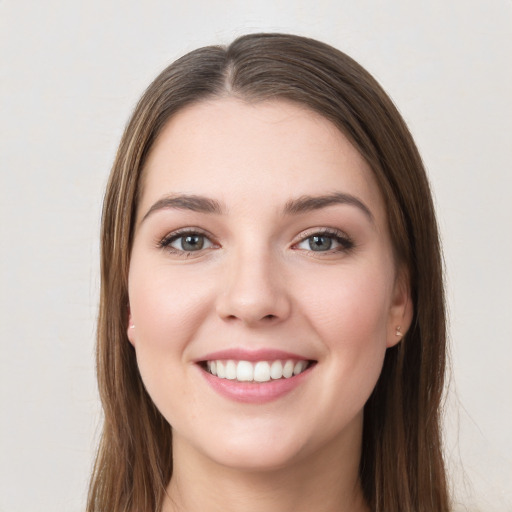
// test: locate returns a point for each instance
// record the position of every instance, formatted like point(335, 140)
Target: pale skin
point(260, 227)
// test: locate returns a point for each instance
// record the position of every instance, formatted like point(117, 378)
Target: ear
point(130, 331)
point(401, 310)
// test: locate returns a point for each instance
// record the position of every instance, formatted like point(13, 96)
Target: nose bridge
point(253, 289)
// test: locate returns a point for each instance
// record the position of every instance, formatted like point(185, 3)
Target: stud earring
point(398, 331)
point(132, 326)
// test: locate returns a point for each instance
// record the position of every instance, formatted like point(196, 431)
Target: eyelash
point(166, 242)
point(345, 242)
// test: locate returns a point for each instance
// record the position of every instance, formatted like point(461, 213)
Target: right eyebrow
point(185, 202)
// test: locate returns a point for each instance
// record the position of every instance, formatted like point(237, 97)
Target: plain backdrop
point(70, 74)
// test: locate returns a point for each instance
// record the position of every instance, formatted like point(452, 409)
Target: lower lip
point(255, 392)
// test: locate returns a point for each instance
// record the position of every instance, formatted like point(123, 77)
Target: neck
point(327, 481)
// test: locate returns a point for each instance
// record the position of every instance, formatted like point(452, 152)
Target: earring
point(132, 326)
point(398, 331)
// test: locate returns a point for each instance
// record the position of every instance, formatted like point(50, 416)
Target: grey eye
point(319, 243)
point(326, 242)
point(190, 242)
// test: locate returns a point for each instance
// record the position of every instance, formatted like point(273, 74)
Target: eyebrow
point(303, 204)
point(185, 202)
point(306, 204)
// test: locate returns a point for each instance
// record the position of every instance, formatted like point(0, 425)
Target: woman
point(271, 331)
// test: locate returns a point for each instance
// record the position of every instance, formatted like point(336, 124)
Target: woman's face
point(263, 290)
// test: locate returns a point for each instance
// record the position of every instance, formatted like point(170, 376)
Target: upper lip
point(242, 354)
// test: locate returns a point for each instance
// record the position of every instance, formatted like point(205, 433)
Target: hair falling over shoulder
point(401, 466)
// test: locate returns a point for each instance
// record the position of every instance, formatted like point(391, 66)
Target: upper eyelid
point(322, 231)
point(165, 241)
point(187, 231)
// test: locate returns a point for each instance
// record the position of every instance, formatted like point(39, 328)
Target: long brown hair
point(401, 465)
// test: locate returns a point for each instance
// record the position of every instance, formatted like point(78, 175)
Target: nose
point(253, 291)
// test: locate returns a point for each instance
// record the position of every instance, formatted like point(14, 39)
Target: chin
point(252, 446)
point(257, 458)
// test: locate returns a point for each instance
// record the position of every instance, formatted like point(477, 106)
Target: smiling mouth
point(257, 371)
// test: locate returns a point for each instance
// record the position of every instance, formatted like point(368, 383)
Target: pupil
point(193, 242)
point(320, 243)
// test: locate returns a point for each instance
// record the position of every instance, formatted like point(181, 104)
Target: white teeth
point(244, 371)
point(231, 370)
point(221, 372)
point(288, 369)
point(276, 370)
point(298, 368)
point(260, 371)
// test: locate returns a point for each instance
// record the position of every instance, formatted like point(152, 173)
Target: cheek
point(350, 318)
point(352, 308)
point(166, 306)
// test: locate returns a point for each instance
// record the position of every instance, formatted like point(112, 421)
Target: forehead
point(268, 152)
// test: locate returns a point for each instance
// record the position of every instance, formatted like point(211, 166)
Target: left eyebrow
point(306, 204)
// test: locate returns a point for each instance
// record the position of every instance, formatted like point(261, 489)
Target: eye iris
point(320, 243)
point(192, 242)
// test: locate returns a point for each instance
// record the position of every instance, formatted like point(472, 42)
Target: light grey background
point(70, 73)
